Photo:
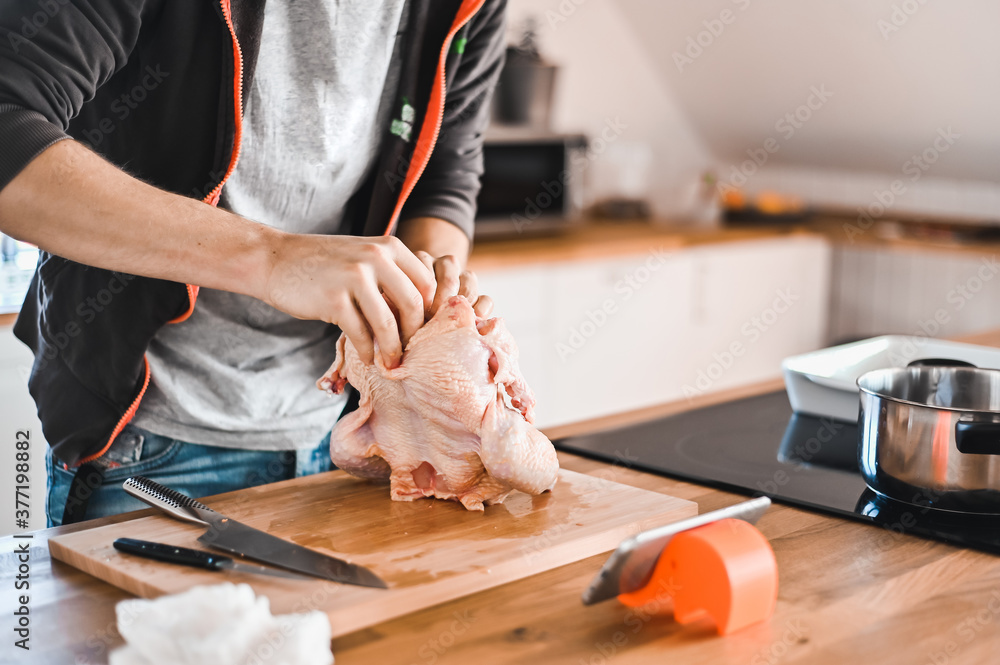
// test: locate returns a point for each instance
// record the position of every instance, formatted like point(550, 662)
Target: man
point(331, 127)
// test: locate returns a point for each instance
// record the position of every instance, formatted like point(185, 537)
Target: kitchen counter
point(596, 239)
point(849, 592)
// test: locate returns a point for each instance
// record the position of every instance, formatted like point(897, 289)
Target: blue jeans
point(190, 468)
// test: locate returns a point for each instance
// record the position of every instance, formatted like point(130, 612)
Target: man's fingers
point(426, 259)
point(468, 286)
point(407, 301)
point(353, 325)
point(382, 323)
point(483, 307)
point(448, 276)
point(419, 273)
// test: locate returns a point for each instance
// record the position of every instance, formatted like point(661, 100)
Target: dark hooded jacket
point(155, 87)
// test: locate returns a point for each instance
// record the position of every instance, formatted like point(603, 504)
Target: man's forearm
point(435, 236)
point(71, 202)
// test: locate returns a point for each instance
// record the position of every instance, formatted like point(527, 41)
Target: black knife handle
point(169, 501)
point(173, 554)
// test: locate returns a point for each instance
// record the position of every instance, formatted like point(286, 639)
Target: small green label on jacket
point(403, 127)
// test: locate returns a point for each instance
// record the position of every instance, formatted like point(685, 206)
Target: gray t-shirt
point(239, 373)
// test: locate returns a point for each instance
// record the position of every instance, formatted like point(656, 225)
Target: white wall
point(899, 72)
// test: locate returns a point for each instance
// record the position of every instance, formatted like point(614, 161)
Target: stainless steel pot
point(931, 436)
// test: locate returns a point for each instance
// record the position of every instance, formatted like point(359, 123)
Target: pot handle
point(977, 438)
point(939, 362)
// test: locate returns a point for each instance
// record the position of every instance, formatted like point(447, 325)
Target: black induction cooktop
point(758, 446)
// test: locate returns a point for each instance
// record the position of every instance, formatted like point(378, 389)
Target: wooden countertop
point(601, 239)
point(902, 237)
point(596, 239)
point(849, 592)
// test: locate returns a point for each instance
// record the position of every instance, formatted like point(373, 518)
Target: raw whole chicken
point(453, 421)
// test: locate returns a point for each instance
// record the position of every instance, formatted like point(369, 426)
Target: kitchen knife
point(232, 536)
point(196, 558)
point(630, 566)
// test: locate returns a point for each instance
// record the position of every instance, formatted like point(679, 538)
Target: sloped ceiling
point(899, 72)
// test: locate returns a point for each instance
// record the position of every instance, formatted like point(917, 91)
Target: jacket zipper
point(466, 11)
point(212, 198)
point(126, 417)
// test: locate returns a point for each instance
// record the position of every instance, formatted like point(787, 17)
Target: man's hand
point(444, 249)
point(374, 289)
point(71, 202)
point(452, 280)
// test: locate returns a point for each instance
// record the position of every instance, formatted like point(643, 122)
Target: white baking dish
point(823, 383)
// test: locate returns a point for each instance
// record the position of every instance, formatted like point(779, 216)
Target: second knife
point(197, 558)
point(232, 536)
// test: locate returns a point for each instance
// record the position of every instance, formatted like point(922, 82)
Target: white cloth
point(222, 624)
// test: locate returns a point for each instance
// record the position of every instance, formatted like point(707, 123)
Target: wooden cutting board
point(428, 551)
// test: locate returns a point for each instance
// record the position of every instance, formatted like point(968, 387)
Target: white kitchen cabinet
point(613, 334)
point(609, 335)
point(17, 412)
point(913, 291)
point(755, 304)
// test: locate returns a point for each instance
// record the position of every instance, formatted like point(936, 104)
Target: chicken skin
point(453, 421)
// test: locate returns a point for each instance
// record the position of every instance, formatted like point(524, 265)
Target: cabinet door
point(605, 336)
point(616, 334)
point(754, 304)
point(913, 291)
point(17, 413)
point(519, 298)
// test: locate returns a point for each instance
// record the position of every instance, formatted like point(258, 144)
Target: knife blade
point(196, 558)
point(232, 536)
point(631, 565)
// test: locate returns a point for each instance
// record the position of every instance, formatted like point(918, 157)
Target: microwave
point(532, 182)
